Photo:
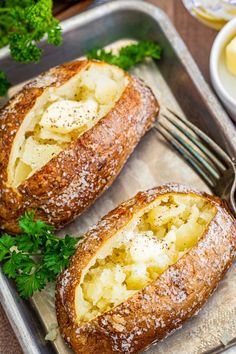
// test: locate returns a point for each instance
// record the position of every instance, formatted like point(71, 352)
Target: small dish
point(214, 14)
point(223, 82)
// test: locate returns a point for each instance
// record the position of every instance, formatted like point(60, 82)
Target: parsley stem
point(7, 257)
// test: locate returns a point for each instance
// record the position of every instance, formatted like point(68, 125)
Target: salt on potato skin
point(164, 305)
point(71, 181)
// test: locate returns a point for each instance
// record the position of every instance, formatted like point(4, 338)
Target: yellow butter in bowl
point(231, 56)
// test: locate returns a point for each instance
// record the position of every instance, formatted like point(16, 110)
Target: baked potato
point(144, 269)
point(64, 138)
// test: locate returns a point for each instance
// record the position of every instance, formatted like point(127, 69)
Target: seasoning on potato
point(64, 138)
point(144, 269)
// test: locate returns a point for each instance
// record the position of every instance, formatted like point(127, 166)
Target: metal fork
point(212, 163)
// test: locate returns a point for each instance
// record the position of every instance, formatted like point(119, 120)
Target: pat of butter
point(145, 249)
point(65, 116)
point(231, 56)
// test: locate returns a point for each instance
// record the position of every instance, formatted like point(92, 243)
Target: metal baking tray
point(178, 84)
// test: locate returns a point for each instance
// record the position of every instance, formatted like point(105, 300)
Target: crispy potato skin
point(72, 180)
point(161, 307)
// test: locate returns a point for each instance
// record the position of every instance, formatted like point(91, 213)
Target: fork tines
point(201, 152)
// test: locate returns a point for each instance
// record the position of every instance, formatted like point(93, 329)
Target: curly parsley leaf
point(33, 227)
point(18, 262)
point(23, 24)
point(36, 256)
point(6, 243)
point(129, 55)
point(58, 259)
point(27, 284)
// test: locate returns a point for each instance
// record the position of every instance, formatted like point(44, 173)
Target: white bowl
point(223, 82)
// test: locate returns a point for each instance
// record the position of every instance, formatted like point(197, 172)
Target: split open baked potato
point(144, 269)
point(64, 138)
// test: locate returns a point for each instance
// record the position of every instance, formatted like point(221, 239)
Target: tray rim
point(225, 124)
point(11, 309)
point(8, 300)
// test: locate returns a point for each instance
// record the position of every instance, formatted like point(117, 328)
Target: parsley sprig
point(36, 256)
point(23, 23)
point(129, 55)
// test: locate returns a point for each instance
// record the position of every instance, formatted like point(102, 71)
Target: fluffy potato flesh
point(141, 252)
point(62, 114)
